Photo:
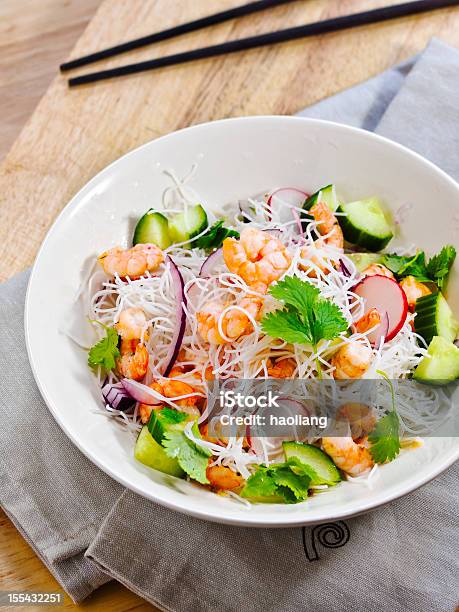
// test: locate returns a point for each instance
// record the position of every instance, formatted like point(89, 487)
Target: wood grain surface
point(74, 134)
point(34, 37)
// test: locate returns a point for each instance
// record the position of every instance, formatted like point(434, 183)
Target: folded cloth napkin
point(400, 557)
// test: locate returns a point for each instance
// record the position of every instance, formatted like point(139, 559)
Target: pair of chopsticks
point(320, 27)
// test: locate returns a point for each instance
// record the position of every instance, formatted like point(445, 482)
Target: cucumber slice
point(434, 317)
point(325, 471)
point(188, 224)
point(363, 260)
point(152, 228)
point(325, 194)
point(442, 364)
point(152, 454)
point(166, 419)
point(365, 224)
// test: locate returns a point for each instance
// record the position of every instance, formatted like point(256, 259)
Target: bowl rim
point(248, 521)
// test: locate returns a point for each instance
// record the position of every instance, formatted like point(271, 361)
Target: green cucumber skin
point(157, 428)
point(359, 237)
point(441, 366)
point(314, 457)
point(152, 228)
point(180, 233)
point(326, 191)
point(430, 321)
point(150, 453)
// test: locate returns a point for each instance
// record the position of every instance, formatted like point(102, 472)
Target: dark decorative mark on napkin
point(328, 535)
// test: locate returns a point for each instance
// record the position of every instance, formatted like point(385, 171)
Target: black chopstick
point(184, 28)
point(271, 38)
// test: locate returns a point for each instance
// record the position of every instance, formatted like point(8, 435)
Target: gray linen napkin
point(400, 557)
point(54, 495)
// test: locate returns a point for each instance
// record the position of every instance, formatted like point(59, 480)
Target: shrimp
point(352, 360)
point(204, 430)
point(368, 321)
point(361, 418)
point(221, 477)
point(283, 368)
point(207, 319)
point(131, 324)
point(315, 254)
point(352, 458)
point(327, 225)
point(257, 257)
point(132, 262)
point(377, 269)
point(133, 360)
point(234, 323)
point(172, 389)
point(413, 290)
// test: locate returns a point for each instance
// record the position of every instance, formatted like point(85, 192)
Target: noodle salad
point(285, 286)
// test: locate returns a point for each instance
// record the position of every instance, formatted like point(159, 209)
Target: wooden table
point(74, 134)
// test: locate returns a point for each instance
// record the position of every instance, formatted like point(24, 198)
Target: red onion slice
point(117, 397)
point(140, 392)
point(344, 269)
point(214, 260)
point(180, 320)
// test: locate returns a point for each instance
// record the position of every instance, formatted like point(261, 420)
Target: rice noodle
point(248, 357)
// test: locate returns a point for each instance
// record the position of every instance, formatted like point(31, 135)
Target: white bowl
point(237, 158)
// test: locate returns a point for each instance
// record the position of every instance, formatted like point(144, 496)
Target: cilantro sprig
point(280, 482)
point(215, 235)
point(307, 318)
point(385, 438)
point(192, 458)
point(435, 270)
point(105, 352)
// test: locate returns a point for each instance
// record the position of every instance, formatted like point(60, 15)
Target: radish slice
point(140, 392)
point(180, 318)
point(388, 297)
point(215, 259)
point(286, 197)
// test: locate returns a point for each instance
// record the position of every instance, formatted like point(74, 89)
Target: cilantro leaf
point(295, 292)
point(215, 236)
point(307, 317)
point(171, 416)
point(385, 441)
point(286, 325)
point(261, 486)
point(436, 270)
point(328, 321)
point(193, 459)
point(439, 266)
point(280, 482)
point(385, 438)
point(106, 351)
point(413, 265)
point(284, 476)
